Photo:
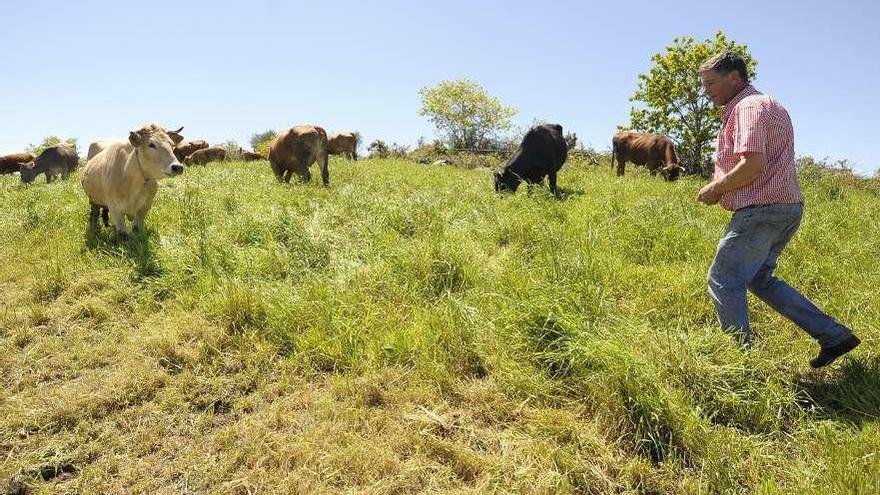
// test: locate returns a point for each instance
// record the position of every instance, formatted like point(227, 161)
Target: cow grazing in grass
point(654, 151)
point(344, 143)
point(12, 163)
point(205, 156)
point(250, 156)
point(541, 154)
point(295, 149)
point(60, 159)
point(186, 148)
point(122, 179)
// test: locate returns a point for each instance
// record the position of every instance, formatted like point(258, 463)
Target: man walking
point(755, 177)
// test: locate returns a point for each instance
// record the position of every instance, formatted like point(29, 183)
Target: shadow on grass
point(542, 189)
point(566, 193)
point(850, 392)
point(138, 247)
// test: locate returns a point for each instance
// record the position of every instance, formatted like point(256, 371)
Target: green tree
point(233, 150)
point(36, 149)
point(672, 101)
point(260, 141)
point(464, 113)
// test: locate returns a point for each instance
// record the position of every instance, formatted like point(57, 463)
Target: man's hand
point(709, 194)
point(744, 173)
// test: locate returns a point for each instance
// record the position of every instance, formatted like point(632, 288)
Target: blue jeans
point(746, 258)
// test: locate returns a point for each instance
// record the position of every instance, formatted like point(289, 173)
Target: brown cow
point(344, 143)
point(295, 149)
point(651, 150)
point(12, 163)
point(250, 156)
point(186, 148)
point(59, 159)
point(205, 156)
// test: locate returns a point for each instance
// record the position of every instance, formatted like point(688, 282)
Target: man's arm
point(744, 173)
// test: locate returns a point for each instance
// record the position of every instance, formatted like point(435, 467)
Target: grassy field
point(408, 331)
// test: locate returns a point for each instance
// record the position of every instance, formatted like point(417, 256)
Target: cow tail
point(612, 155)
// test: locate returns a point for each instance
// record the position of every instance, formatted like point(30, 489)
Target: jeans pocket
point(742, 219)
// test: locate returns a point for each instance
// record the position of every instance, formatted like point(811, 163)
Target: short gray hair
point(725, 63)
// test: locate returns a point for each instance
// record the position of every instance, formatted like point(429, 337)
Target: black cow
point(58, 159)
point(541, 154)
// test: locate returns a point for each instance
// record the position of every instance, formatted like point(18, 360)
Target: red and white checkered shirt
point(754, 122)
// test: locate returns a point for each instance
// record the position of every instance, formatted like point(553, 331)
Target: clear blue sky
point(224, 70)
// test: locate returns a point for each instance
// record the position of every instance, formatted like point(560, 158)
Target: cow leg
point(325, 170)
point(552, 180)
point(138, 220)
point(277, 170)
point(94, 213)
point(621, 165)
point(119, 222)
point(105, 216)
point(287, 175)
point(137, 223)
point(49, 177)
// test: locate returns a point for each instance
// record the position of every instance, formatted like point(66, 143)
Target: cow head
point(155, 154)
point(176, 136)
point(28, 172)
point(506, 181)
point(671, 172)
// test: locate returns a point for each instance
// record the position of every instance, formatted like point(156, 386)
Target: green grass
point(406, 331)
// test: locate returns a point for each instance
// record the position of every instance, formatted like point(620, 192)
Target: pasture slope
point(408, 331)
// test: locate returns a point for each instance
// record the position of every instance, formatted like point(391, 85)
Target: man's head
point(723, 76)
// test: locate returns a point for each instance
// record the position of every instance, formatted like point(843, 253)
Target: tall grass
point(406, 330)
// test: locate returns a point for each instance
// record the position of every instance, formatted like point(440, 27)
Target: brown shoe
point(828, 354)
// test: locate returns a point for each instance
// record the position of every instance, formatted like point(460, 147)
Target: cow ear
point(135, 139)
point(176, 138)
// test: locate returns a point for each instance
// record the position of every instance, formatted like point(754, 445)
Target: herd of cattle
point(120, 175)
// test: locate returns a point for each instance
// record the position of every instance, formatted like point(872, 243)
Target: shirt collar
point(749, 90)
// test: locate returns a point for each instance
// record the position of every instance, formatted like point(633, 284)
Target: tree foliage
point(464, 113)
point(260, 141)
point(672, 102)
point(36, 149)
point(233, 149)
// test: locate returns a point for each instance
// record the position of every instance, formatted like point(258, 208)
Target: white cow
point(122, 179)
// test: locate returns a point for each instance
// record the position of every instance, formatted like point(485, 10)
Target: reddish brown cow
point(204, 156)
point(295, 149)
point(250, 156)
point(344, 143)
point(186, 148)
point(12, 163)
point(654, 151)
